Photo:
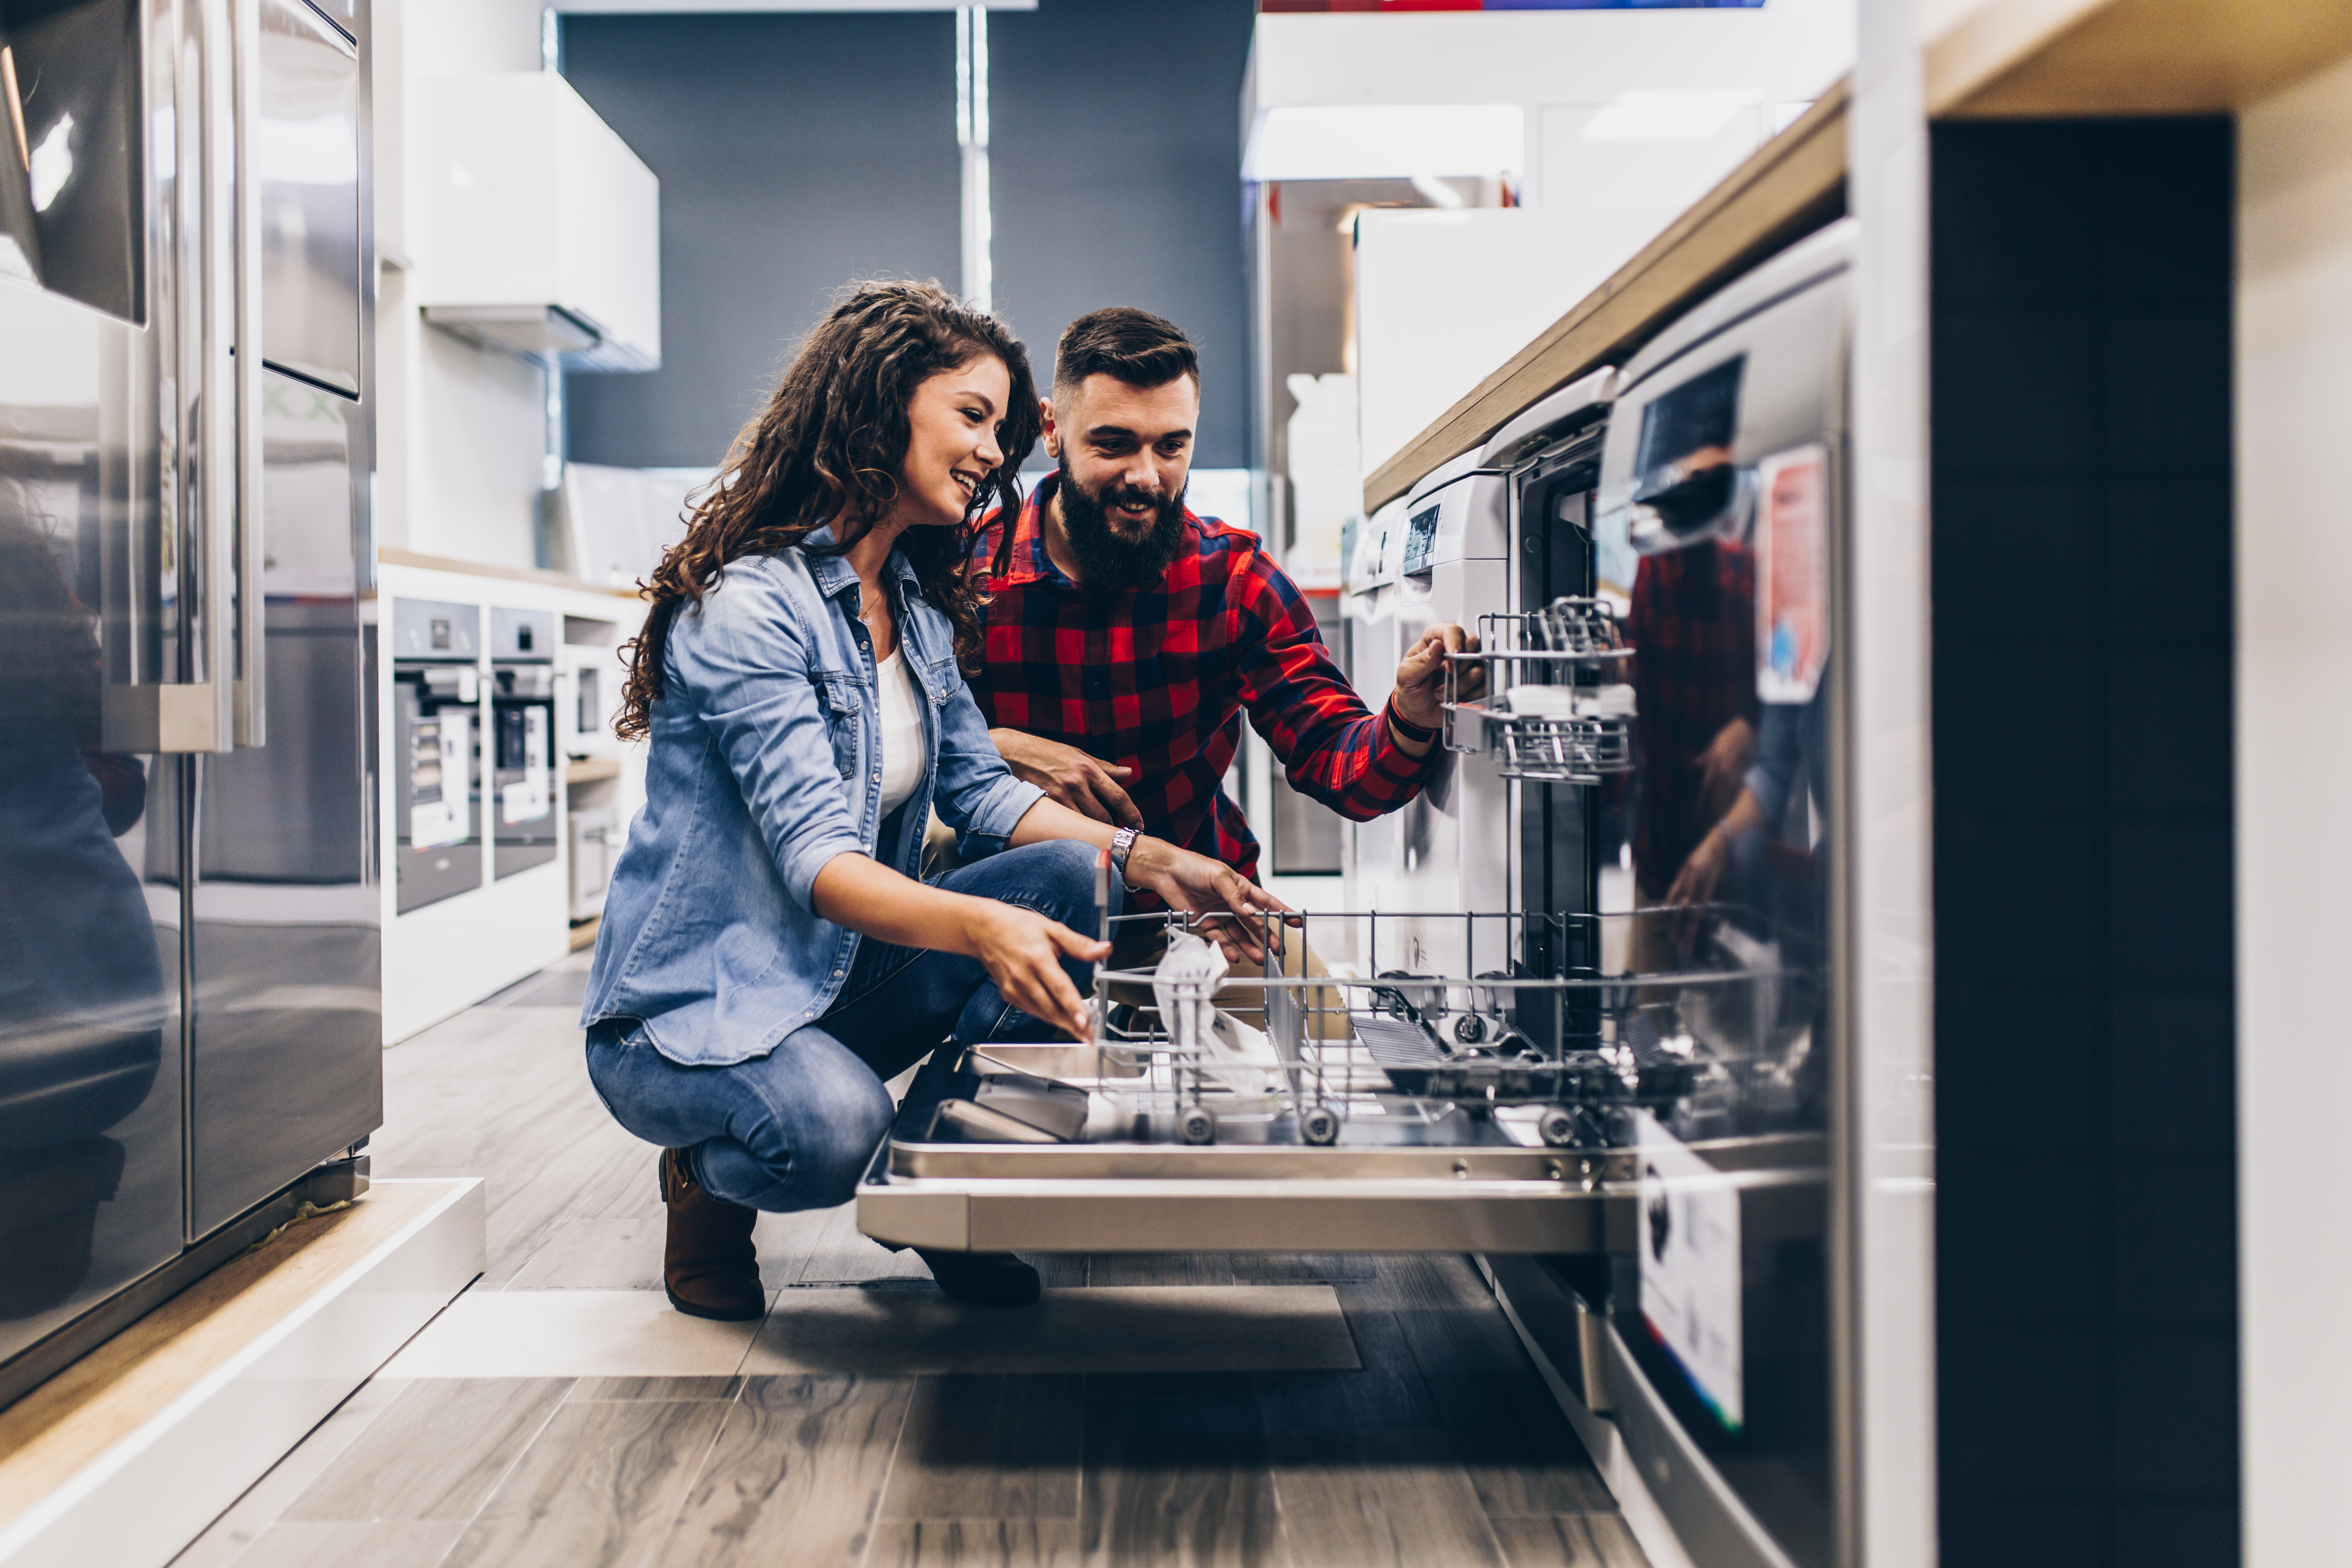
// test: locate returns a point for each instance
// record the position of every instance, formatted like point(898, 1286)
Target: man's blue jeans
point(794, 1129)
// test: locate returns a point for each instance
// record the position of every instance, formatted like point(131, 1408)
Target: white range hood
point(540, 230)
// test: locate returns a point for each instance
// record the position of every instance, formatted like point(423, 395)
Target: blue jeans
point(794, 1129)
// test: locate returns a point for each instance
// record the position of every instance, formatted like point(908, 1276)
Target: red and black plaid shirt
point(1155, 679)
point(1693, 627)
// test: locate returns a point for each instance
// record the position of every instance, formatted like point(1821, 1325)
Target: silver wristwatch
point(1123, 843)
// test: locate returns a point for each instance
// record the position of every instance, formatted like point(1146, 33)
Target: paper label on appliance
point(535, 747)
point(525, 801)
point(439, 785)
point(436, 825)
point(1690, 1267)
point(1792, 574)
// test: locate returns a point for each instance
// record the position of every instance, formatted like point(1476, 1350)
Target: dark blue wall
point(1116, 150)
point(797, 152)
point(2086, 1129)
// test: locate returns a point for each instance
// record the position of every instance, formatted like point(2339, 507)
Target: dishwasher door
point(1432, 1189)
point(1420, 1174)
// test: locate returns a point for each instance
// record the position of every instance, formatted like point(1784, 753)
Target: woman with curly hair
point(769, 956)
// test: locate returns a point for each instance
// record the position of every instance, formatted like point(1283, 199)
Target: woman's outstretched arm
point(1021, 950)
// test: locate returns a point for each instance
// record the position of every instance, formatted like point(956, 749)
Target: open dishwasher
point(1587, 1023)
point(1493, 1110)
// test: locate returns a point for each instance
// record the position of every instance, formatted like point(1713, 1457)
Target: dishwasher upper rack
point(1579, 730)
point(1579, 1048)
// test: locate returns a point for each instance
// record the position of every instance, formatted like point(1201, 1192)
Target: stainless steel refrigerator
point(190, 982)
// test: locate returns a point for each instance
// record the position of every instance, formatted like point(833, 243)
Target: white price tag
point(440, 782)
point(523, 801)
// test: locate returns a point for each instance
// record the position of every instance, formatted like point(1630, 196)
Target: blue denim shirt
point(763, 768)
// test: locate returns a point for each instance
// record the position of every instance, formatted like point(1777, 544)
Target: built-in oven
point(523, 790)
point(436, 796)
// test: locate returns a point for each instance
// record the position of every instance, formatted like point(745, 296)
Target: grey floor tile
point(1059, 1271)
point(974, 1543)
point(412, 1545)
point(594, 1389)
point(229, 1535)
point(600, 1485)
point(795, 1476)
point(990, 1448)
point(1569, 1540)
point(1131, 1328)
point(1159, 1269)
point(1518, 1449)
point(1386, 1391)
point(622, 1254)
point(1302, 1268)
point(1378, 1499)
point(838, 1253)
point(571, 1333)
point(434, 1454)
point(1177, 1482)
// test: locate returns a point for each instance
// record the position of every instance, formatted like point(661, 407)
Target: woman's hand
point(1200, 886)
point(1023, 953)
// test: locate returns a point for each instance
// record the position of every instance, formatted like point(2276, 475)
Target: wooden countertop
point(502, 574)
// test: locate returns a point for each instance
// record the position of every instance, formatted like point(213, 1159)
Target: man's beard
point(1104, 558)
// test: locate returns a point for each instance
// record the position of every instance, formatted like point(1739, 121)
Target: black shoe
point(982, 1279)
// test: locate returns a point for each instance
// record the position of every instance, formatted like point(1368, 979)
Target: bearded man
point(1125, 635)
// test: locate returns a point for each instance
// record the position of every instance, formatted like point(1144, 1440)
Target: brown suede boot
point(709, 1268)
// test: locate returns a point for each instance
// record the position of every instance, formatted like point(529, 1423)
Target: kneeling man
point(1126, 636)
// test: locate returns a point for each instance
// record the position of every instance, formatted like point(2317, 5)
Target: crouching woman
point(768, 957)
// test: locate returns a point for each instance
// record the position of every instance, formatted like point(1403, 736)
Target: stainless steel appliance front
point(189, 985)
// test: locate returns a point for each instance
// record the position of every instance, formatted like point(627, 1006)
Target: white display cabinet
point(538, 231)
point(443, 956)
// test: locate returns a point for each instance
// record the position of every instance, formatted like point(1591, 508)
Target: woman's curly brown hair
point(830, 448)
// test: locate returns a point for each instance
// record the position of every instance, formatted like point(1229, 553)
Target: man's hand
point(1069, 776)
point(1723, 766)
point(1198, 884)
point(1421, 678)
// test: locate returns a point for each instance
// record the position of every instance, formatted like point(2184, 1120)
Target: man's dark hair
point(1127, 344)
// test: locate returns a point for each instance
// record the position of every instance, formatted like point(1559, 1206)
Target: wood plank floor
point(1443, 1448)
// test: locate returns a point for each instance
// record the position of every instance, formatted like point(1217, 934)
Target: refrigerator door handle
point(192, 709)
point(252, 668)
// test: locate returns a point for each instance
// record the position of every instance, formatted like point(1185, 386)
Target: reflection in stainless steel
point(309, 153)
point(71, 214)
point(88, 1153)
point(189, 983)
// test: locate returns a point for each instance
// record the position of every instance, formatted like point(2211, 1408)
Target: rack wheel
point(1319, 1125)
point(1197, 1124)
point(1469, 1029)
point(1557, 1126)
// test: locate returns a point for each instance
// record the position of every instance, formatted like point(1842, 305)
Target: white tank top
point(903, 752)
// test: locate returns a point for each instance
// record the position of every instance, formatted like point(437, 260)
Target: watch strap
point(1122, 845)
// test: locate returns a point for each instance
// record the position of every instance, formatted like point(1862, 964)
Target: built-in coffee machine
point(436, 705)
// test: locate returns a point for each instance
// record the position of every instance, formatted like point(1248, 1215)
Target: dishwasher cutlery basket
point(1544, 691)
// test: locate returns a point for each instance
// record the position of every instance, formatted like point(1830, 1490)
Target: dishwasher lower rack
point(1399, 1112)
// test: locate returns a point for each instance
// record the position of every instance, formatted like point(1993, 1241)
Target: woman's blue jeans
point(794, 1129)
